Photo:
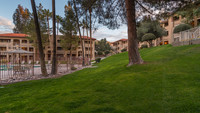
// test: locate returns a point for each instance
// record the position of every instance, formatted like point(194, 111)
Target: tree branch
point(143, 7)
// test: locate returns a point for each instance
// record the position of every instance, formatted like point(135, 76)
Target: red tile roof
point(120, 40)
point(13, 35)
point(123, 40)
point(85, 37)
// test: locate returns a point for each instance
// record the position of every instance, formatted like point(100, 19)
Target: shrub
point(181, 27)
point(148, 37)
point(98, 60)
point(100, 53)
point(144, 46)
point(123, 50)
point(107, 52)
point(73, 68)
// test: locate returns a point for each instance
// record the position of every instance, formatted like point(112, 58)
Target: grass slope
point(169, 82)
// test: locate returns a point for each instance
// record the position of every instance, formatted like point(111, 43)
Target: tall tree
point(133, 53)
point(69, 40)
point(21, 19)
point(103, 46)
point(47, 15)
point(80, 36)
point(86, 26)
point(83, 27)
point(58, 19)
point(54, 58)
point(90, 11)
point(37, 28)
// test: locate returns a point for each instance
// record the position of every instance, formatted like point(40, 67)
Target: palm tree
point(90, 11)
point(40, 47)
point(48, 15)
point(86, 26)
point(83, 27)
point(54, 59)
point(58, 19)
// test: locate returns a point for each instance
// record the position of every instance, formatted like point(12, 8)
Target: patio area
point(15, 68)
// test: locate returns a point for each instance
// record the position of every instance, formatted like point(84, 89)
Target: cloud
point(6, 25)
point(111, 35)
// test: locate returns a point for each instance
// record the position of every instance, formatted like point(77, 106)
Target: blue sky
point(7, 8)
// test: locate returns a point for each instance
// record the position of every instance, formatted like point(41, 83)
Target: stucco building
point(119, 45)
point(169, 24)
point(12, 41)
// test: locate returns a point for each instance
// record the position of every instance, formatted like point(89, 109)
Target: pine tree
point(69, 40)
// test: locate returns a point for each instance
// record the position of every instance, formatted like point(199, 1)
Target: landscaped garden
point(168, 81)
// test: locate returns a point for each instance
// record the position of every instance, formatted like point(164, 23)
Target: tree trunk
point(90, 11)
point(70, 59)
point(150, 43)
point(87, 38)
point(54, 60)
point(83, 41)
point(133, 52)
point(40, 47)
point(77, 21)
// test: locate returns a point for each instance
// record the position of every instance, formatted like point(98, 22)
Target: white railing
point(188, 35)
point(196, 33)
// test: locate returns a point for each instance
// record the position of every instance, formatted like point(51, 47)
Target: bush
point(123, 50)
point(148, 37)
point(100, 53)
point(181, 27)
point(73, 68)
point(144, 46)
point(98, 60)
point(107, 52)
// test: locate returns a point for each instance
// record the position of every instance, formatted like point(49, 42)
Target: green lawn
point(168, 82)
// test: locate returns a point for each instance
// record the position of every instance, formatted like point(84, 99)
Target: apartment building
point(169, 24)
point(11, 41)
point(119, 45)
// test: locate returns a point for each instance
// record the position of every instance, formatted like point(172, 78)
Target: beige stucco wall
point(48, 49)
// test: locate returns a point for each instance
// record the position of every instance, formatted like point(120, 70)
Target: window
point(166, 24)
point(198, 22)
point(58, 41)
point(166, 42)
point(24, 41)
point(59, 48)
point(5, 40)
point(167, 33)
point(30, 41)
point(24, 48)
point(31, 49)
point(2, 48)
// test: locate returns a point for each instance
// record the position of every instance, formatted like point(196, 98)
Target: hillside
point(169, 81)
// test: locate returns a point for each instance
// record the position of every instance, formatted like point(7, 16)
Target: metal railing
point(12, 66)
